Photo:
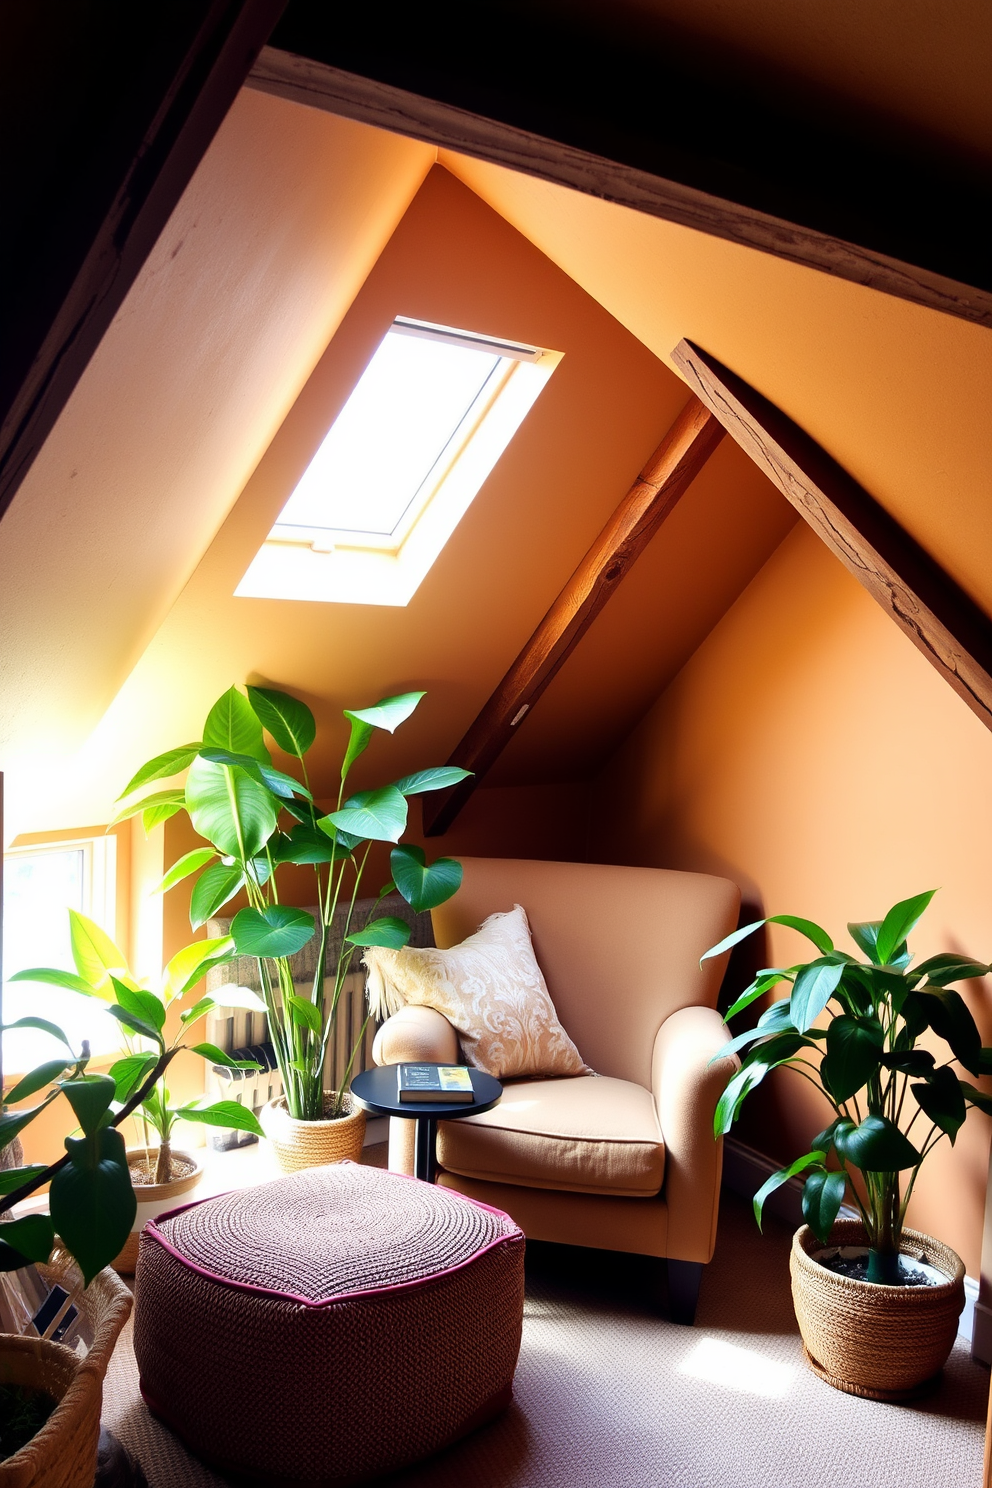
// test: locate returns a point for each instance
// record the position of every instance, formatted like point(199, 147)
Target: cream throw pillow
point(490, 989)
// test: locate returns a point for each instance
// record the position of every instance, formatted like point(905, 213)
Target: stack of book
point(442, 1083)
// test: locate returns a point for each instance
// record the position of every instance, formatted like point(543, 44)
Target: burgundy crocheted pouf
point(330, 1326)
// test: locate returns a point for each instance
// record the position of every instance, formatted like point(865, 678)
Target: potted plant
point(256, 821)
point(877, 1303)
point(91, 1207)
point(160, 1173)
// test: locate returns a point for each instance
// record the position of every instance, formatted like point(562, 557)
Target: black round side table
point(376, 1091)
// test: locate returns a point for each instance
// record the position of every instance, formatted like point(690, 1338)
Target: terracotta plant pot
point(155, 1199)
point(883, 1342)
point(313, 1144)
point(63, 1453)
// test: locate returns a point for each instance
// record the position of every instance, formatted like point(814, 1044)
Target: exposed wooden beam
point(677, 460)
point(105, 122)
point(950, 629)
point(713, 183)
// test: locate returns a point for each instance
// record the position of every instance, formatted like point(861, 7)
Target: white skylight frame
point(347, 565)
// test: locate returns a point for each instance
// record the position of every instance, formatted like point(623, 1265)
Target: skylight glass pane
point(393, 431)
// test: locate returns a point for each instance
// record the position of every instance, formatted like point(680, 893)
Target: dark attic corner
point(496, 691)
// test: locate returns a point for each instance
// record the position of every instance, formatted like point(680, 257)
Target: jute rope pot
point(312, 1144)
point(63, 1453)
point(155, 1199)
point(882, 1342)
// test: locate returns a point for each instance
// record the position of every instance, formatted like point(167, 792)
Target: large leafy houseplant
point(257, 820)
point(893, 1100)
point(102, 973)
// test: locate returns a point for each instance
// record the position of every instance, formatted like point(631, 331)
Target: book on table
point(443, 1083)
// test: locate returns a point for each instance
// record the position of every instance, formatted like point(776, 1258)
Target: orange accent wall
point(809, 752)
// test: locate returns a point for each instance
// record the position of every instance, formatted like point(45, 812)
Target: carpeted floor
point(609, 1394)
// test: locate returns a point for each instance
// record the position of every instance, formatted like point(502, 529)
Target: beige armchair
point(624, 1159)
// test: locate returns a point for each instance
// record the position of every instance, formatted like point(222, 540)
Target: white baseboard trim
point(745, 1170)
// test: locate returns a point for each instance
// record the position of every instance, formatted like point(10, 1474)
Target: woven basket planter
point(63, 1453)
point(882, 1342)
point(313, 1144)
point(154, 1199)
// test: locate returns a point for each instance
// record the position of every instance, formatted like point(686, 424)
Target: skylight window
point(424, 426)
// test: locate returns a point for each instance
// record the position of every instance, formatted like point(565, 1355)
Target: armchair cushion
point(490, 989)
point(585, 1135)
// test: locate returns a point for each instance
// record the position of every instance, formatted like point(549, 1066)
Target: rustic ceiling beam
point(678, 459)
point(835, 205)
point(942, 621)
point(104, 123)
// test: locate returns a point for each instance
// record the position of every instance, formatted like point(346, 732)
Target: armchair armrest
point(686, 1089)
point(416, 1034)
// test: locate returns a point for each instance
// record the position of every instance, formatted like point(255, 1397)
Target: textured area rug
point(609, 1394)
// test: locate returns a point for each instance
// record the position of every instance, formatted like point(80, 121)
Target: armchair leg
point(683, 1290)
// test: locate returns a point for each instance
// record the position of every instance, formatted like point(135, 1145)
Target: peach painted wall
point(810, 753)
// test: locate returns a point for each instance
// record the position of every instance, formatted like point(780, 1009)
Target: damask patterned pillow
point(490, 989)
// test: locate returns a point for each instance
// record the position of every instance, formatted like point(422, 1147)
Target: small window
point(40, 885)
point(424, 426)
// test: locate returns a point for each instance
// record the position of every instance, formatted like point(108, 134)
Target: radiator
point(245, 1035)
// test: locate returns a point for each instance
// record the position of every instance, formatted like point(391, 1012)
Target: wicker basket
point(154, 1199)
point(313, 1144)
point(63, 1453)
point(883, 1342)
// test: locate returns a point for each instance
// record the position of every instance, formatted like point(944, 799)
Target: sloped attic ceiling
point(199, 377)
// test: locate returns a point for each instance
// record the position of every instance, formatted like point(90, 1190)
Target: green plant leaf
point(358, 741)
point(214, 887)
point(11, 1123)
point(215, 1055)
point(942, 1099)
point(976, 1097)
point(423, 886)
point(32, 1238)
point(289, 721)
point(170, 801)
point(230, 809)
point(823, 1194)
point(824, 1141)
point(159, 809)
point(11, 1178)
point(379, 815)
point(90, 1099)
point(43, 1026)
point(946, 1012)
point(91, 1199)
point(865, 936)
point(306, 845)
point(947, 967)
point(438, 777)
point(225, 1113)
point(37, 1079)
point(233, 724)
point(94, 953)
point(388, 713)
point(135, 1024)
point(192, 963)
point(875, 1146)
point(142, 1004)
point(278, 930)
point(161, 767)
point(813, 988)
point(277, 781)
point(230, 996)
point(386, 931)
point(189, 863)
point(809, 928)
point(305, 1013)
point(915, 1062)
point(782, 1176)
point(341, 839)
point(739, 1085)
point(54, 977)
point(729, 941)
point(898, 923)
point(853, 1049)
point(198, 1010)
point(129, 1072)
point(763, 982)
